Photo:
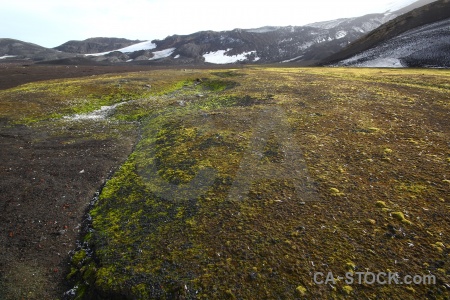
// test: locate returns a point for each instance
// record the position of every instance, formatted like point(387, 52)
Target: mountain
point(300, 45)
point(95, 45)
point(303, 45)
point(10, 48)
point(424, 46)
point(404, 41)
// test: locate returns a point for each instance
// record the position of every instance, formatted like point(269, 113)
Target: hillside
point(428, 14)
point(95, 45)
point(424, 46)
point(15, 49)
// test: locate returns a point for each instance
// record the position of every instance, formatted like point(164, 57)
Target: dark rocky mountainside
point(95, 45)
point(424, 46)
point(21, 50)
point(428, 14)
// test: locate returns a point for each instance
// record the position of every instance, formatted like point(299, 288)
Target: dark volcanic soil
point(16, 73)
point(46, 184)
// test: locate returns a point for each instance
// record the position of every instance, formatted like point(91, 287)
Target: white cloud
point(53, 22)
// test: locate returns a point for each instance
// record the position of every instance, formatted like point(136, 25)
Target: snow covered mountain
point(419, 38)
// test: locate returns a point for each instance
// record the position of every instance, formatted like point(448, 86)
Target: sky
point(50, 23)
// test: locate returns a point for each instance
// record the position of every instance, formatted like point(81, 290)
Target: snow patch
point(147, 45)
point(177, 56)
point(99, 114)
point(382, 63)
point(341, 34)
point(263, 29)
point(7, 56)
point(162, 54)
point(219, 57)
point(292, 59)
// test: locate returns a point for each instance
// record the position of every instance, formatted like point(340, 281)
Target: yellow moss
point(415, 188)
point(380, 204)
point(347, 289)
point(400, 217)
point(387, 150)
point(301, 290)
point(336, 192)
point(371, 221)
point(350, 266)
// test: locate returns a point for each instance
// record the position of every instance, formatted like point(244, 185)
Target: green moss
point(414, 188)
point(217, 85)
point(350, 266)
point(347, 289)
point(381, 204)
point(336, 192)
point(400, 217)
point(79, 257)
point(161, 230)
point(301, 290)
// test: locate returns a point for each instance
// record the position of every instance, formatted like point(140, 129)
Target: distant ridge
point(95, 45)
point(22, 50)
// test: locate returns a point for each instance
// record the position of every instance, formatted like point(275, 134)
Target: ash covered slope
point(426, 15)
point(425, 46)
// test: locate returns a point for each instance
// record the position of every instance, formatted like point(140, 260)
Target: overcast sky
point(50, 23)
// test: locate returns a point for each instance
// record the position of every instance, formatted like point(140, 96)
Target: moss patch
point(290, 142)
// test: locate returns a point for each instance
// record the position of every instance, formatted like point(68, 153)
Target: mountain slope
point(300, 44)
point(433, 12)
point(424, 46)
point(95, 45)
point(22, 50)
